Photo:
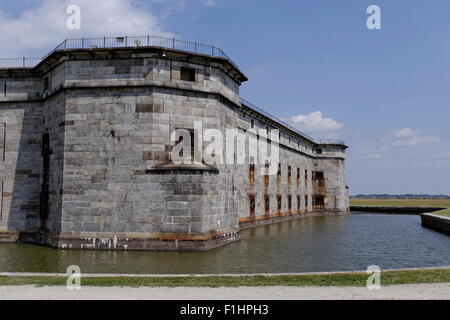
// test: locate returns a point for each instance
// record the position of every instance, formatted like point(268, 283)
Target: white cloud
point(316, 123)
point(37, 31)
point(209, 3)
point(173, 6)
point(368, 151)
point(404, 133)
point(408, 137)
point(404, 147)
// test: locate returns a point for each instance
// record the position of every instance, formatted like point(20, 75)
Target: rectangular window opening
point(187, 74)
point(3, 140)
point(252, 205)
point(251, 173)
point(319, 202)
point(267, 205)
point(318, 176)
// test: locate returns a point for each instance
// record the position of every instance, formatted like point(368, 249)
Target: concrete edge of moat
point(429, 215)
point(395, 209)
point(436, 222)
point(111, 275)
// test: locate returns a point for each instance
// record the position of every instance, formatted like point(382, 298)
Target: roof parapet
point(290, 127)
point(121, 42)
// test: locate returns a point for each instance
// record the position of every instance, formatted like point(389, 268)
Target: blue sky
point(385, 92)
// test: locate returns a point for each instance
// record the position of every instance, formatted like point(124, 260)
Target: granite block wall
point(20, 153)
point(88, 149)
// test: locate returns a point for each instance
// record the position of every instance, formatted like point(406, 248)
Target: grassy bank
point(438, 203)
point(336, 279)
point(444, 213)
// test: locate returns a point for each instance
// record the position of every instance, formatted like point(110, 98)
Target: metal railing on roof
point(121, 42)
point(290, 127)
point(19, 62)
point(331, 141)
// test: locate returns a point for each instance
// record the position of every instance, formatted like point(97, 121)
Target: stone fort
point(86, 140)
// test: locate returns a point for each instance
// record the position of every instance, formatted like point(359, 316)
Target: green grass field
point(439, 203)
point(444, 213)
point(336, 279)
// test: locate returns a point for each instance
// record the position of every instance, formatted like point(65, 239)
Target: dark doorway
point(267, 205)
point(319, 202)
point(252, 206)
point(279, 204)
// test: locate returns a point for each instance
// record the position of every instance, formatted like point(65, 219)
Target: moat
point(332, 243)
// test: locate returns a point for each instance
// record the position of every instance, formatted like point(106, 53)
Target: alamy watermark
point(73, 22)
point(374, 280)
point(226, 147)
point(74, 277)
point(374, 20)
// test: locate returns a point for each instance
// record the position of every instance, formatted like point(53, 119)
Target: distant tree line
point(400, 196)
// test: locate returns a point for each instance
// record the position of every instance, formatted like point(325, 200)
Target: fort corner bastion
point(86, 146)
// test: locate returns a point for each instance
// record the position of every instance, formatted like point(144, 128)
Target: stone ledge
point(170, 167)
point(435, 222)
point(246, 223)
point(390, 209)
point(8, 237)
point(133, 241)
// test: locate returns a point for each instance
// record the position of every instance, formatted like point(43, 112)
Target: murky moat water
point(333, 243)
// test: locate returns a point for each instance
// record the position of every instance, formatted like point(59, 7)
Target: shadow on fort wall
point(22, 177)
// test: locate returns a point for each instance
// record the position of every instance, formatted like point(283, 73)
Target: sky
point(313, 63)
